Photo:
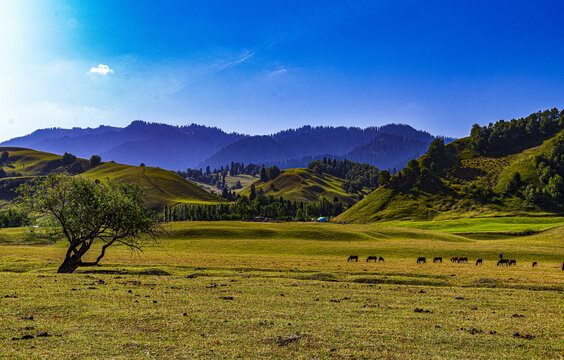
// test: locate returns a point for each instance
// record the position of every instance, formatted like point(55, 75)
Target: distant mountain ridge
point(388, 146)
point(198, 146)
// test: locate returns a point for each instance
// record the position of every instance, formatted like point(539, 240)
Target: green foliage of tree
point(550, 171)
point(253, 192)
point(247, 209)
point(555, 188)
point(504, 134)
point(384, 177)
point(533, 195)
point(478, 193)
point(84, 213)
point(514, 183)
point(95, 160)
point(68, 158)
point(2, 173)
point(4, 157)
point(142, 164)
point(263, 174)
point(272, 172)
point(13, 218)
point(436, 148)
point(358, 175)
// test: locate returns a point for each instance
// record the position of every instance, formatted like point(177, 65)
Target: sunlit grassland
point(483, 224)
point(239, 290)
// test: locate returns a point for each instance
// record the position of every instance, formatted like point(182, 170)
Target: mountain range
point(197, 146)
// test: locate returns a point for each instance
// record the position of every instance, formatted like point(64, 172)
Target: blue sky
point(261, 66)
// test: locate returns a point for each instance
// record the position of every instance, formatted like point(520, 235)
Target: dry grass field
point(231, 290)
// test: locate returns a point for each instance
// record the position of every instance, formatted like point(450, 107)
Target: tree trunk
point(69, 265)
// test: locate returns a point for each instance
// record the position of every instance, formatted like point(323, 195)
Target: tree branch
point(102, 253)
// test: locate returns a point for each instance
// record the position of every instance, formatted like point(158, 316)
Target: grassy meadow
point(265, 290)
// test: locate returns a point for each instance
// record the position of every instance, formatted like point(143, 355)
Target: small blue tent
point(322, 219)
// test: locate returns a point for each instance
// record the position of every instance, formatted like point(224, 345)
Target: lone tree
point(84, 212)
point(68, 158)
point(95, 160)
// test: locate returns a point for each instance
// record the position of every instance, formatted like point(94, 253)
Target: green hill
point(303, 185)
point(165, 187)
point(508, 168)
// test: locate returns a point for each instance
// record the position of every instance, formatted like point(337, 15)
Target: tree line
point(550, 170)
point(357, 175)
point(216, 177)
point(506, 134)
point(261, 206)
point(13, 218)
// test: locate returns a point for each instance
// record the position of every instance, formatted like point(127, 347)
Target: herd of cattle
point(454, 259)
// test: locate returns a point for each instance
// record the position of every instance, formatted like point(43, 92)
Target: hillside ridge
point(164, 187)
point(510, 167)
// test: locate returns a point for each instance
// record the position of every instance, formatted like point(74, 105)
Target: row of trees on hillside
point(550, 170)
point(13, 218)
point(217, 177)
point(417, 173)
point(260, 206)
point(357, 175)
point(506, 134)
point(269, 173)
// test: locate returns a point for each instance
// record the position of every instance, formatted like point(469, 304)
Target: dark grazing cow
point(381, 259)
point(503, 262)
point(421, 260)
point(375, 258)
point(353, 258)
point(438, 259)
point(512, 262)
point(478, 262)
point(563, 266)
point(454, 259)
point(535, 264)
point(462, 260)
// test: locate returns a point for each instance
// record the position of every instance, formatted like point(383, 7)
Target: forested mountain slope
point(505, 168)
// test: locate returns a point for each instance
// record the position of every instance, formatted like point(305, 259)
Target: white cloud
point(101, 69)
point(279, 72)
point(229, 64)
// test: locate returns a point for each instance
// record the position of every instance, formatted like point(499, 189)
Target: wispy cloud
point(278, 72)
point(101, 69)
point(241, 59)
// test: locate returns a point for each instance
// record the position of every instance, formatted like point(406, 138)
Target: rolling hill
point(510, 168)
point(165, 187)
point(304, 185)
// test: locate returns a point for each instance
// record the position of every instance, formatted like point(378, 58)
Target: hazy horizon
point(257, 68)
